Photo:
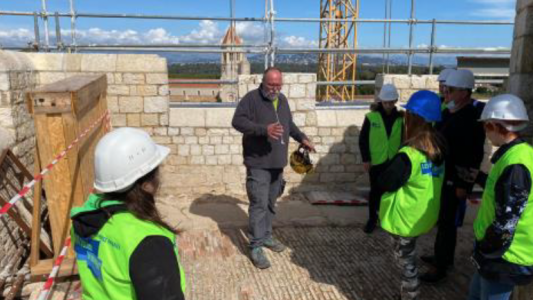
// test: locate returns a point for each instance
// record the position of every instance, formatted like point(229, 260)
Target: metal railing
point(268, 48)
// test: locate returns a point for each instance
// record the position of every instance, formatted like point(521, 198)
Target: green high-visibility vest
point(520, 251)
point(103, 259)
point(413, 209)
point(383, 148)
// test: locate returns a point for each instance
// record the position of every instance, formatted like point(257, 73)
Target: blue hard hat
point(425, 104)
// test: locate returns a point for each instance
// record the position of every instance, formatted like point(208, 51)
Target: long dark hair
point(421, 135)
point(141, 203)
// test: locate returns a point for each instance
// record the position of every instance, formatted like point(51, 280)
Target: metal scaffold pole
point(272, 34)
point(411, 38)
point(46, 30)
point(73, 24)
point(432, 46)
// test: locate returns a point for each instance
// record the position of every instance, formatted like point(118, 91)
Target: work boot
point(274, 245)
point(433, 277)
point(259, 259)
point(430, 260)
point(370, 226)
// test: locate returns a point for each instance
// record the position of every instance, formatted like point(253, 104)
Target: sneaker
point(433, 277)
point(259, 259)
point(274, 245)
point(370, 226)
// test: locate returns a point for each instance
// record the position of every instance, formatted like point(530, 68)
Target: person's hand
point(366, 166)
point(460, 193)
point(275, 131)
point(307, 144)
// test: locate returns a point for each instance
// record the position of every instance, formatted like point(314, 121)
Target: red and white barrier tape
point(39, 177)
point(51, 278)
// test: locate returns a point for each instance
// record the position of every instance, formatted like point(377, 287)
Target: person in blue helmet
point(412, 183)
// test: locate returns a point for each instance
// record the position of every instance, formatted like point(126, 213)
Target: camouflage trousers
point(405, 255)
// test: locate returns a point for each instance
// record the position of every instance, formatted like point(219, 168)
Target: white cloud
point(298, 42)
point(499, 9)
point(20, 36)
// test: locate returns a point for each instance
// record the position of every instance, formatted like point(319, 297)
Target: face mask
point(451, 105)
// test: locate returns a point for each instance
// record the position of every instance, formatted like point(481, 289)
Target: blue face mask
point(451, 105)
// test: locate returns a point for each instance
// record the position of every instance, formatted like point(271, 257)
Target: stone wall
point(521, 83)
point(16, 133)
point(207, 152)
point(407, 84)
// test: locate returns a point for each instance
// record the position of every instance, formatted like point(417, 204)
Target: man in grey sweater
point(264, 118)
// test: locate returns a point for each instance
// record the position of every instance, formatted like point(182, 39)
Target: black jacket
point(364, 136)
point(511, 194)
point(465, 137)
point(252, 116)
point(154, 269)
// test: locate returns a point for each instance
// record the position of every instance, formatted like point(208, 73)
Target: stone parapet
point(407, 84)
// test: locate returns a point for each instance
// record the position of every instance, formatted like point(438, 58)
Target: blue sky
point(19, 30)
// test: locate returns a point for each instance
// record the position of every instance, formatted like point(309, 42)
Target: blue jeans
point(483, 289)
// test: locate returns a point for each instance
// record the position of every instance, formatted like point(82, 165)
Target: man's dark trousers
point(263, 187)
point(447, 229)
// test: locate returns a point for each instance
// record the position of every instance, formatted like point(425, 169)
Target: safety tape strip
point(51, 278)
point(61, 155)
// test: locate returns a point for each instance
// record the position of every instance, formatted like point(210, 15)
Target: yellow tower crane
point(337, 67)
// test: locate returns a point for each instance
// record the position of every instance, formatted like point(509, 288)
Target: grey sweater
point(252, 116)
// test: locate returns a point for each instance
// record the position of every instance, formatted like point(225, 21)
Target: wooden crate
point(61, 112)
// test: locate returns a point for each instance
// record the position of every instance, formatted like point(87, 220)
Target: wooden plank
point(46, 103)
point(41, 270)
point(68, 85)
point(36, 221)
point(84, 99)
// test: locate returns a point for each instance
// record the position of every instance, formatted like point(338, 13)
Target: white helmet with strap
point(123, 156)
point(506, 107)
point(444, 75)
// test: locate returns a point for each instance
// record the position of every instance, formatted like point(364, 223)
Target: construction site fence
point(269, 49)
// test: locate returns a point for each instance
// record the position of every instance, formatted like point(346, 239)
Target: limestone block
point(311, 90)
point(328, 140)
point(163, 140)
point(191, 140)
point(338, 131)
point(200, 131)
point(348, 159)
point(4, 82)
point(217, 131)
point(215, 140)
point(161, 131)
point(184, 150)
point(157, 78)
point(122, 90)
point(178, 140)
point(327, 177)
point(185, 131)
point(520, 85)
point(235, 149)
point(47, 61)
point(143, 90)
point(237, 160)
point(523, 4)
point(118, 78)
point(227, 140)
point(418, 82)
point(110, 77)
point(203, 140)
point(211, 160)
point(50, 77)
point(251, 87)
point(197, 160)
point(222, 149)
point(242, 90)
point(163, 90)
point(112, 104)
point(99, 62)
point(329, 160)
point(297, 91)
point(431, 82)
point(129, 104)
point(290, 78)
point(345, 177)
point(307, 78)
point(305, 104)
point(299, 119)
point(7, 138)
point(326, 118)
point(118, 120)
point(133, 78)
point(72, 62)
point(163, 119)
point(173, 131)
point(219, 117)
point(224, 160)
point(208, 150)
point(180, 117)
point(310, 131)
point(155, 104)
point(292, 105)
point(134, 120)
point(336, 169)
point(323, 132)
point(400, 81)
point(141, 63)
point(522, 54)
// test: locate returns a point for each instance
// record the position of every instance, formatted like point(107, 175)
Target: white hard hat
point(444, 75)
point(388, 92)
point(506, 107)
point(123, 156)
point(463, 79)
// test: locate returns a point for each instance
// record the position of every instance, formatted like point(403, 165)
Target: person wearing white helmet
point(503, 226)
point(124, 249)
point(443, 75)
point(466, 139)
point(379, 140)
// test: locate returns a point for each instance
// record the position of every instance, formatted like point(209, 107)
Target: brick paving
point(320, 263)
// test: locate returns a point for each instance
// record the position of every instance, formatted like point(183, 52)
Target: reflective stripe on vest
point(103, 259)
point(521, 249)
point(413, 209)
point(383, 148)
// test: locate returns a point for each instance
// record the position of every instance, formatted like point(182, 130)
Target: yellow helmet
point(300, 161)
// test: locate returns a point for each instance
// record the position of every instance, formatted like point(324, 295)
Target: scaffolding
point(338, 67)
point(269, 48)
